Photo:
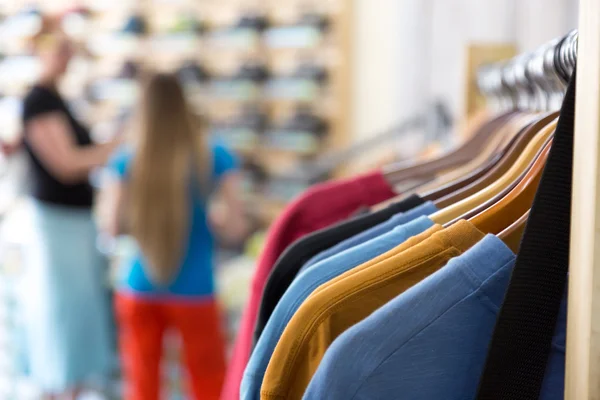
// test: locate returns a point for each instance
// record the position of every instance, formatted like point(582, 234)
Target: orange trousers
point(142, 324)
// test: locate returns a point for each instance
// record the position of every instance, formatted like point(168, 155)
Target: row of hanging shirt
point(411, 299)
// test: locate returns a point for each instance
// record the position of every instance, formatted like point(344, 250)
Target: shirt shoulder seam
point(474, 291)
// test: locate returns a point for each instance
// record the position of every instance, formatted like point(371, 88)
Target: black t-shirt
point(42, 184)
point(298, 253)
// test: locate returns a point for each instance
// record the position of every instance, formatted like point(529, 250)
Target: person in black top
point(59, 147)
point(65, 309)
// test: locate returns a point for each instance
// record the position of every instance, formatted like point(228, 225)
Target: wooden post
point(342, 74)
point(583, 331)
point(478, 55)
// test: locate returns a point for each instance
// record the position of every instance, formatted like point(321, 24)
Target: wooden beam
point(583, 331)
point(479, 54)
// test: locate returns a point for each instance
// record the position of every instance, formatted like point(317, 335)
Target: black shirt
point(298, 253)
point(41, 183)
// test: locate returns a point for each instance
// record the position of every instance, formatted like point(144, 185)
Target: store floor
point(233, 274)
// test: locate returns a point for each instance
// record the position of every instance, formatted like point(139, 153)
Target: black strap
point(522, 339)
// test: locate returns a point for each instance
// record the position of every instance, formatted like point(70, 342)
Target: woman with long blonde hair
point(164, 181)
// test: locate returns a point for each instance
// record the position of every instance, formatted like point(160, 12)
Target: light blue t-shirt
point(195, 276)
point(426, 208)
point(305, 284)
point(431, 341)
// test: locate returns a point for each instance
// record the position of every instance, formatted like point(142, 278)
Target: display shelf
point(222, 36)
point(225, 41)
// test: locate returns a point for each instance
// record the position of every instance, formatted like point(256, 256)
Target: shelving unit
point(222, 46)
point(295, 33)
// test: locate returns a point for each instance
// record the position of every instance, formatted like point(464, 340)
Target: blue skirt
point(63, 299)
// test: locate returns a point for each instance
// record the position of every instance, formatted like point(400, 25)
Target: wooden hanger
point(512, 235)
point(488, 152)
point(501, 167)
point(500, 136)
point(524, 160)
point(472, 171)
point(511, 207)
point(397, 173)
point(414, 184)
point(432, 193)
point(482, 207)
point(509, 152)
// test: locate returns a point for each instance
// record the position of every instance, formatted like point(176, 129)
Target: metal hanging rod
point(536, 80)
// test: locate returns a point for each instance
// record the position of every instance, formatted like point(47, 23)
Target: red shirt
point(320, 206)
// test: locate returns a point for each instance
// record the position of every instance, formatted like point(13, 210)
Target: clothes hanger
point(499, 216)
point(432, 193)
point(511, 86)
point(498, 197)
point(501, 195)
point(493, 148)
point(507, 189)
point(512, 235)
point(454, 211)
point(498, 169)
point(317, 169)
point(515, 204)
point(496, 214)
point(411, 185)
point(396, 173)
point(514, 83)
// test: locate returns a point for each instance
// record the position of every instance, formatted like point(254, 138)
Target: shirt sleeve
point(38, 103)
point(224, 161)
point(118, 163)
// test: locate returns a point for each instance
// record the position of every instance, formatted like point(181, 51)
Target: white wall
point(382, 79)
point(455, 24)
point(407, 52)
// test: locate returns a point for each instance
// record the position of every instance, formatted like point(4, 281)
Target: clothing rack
point(537, 81)
point(533, 81)
point(435, 120)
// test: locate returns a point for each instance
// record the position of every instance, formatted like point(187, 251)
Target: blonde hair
point(49, 35)
point(170, 151)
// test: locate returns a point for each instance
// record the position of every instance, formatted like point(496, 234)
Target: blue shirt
point(426, 208)
point(195, 276)
point(431, 341)
point(305, 284)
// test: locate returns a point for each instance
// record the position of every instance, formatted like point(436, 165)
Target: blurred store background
point(301, 90)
